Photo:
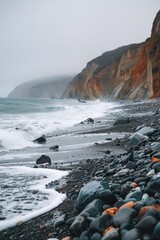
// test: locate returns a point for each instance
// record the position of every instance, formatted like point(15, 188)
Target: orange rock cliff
point(128, 72)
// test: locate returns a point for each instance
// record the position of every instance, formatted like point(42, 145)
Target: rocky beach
point(115, 193)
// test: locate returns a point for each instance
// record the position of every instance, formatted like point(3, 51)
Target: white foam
point(25, 194)
point(19, 130)
point(13, 140)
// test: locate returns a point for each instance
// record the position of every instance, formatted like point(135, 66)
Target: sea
point(23, 192)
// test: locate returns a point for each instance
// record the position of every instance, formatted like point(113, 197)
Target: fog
point(40, 38)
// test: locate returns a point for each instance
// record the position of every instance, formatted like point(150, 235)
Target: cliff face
point(42, 88)
point(129, 72)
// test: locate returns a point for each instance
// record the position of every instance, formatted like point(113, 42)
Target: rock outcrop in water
point(128, 72)
point(42, 88)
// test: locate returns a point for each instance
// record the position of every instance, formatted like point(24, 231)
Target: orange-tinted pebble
point(155, 160)
point(134, 185)
point(110, 211)
point(128, 204)
point(107, 229)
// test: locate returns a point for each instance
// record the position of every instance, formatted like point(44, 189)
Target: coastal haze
point(48, 38)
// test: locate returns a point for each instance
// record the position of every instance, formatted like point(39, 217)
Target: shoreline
point(52, 224)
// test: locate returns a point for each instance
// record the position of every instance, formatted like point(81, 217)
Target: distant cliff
point(128, 72)
point(42, 88)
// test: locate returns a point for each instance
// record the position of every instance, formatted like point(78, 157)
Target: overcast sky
point(40, 38)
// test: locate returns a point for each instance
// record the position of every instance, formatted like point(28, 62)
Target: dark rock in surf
point(40, 140)
point(54, 148)
point(88, 121)
point(43, 160)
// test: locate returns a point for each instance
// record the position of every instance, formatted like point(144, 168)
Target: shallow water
point(23, 191)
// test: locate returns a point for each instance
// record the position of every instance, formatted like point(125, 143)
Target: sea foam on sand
point(24, 194)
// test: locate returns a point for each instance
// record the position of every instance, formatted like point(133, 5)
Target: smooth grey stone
point(70, 221)
point(147, 224)
point(135, 139)
point(132, 234)
point(112, 234)
point(96, 236)
point(147, 131)
point(151, 212)
point(125, 189)
point(121, 120)
point(139, 179)
point(157, 155)
point(107, 197)
point(90, 192)
point(156, 231)
point(137, 195)
point(124, 215)
point(100, 223)
point(110, 172)
point(153, 186)
point(84, 236)
point(130, 165)
point(156, 167)
point(94, 208)
point(115, 186)
point(79, 225)
point(59, 221)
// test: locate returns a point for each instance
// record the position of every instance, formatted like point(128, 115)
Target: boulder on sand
point(121, 120)
point(43, 159)
point(54, 147)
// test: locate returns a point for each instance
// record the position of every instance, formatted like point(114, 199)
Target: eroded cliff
point(129, 72)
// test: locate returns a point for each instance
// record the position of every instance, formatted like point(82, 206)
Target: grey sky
point(48, 37)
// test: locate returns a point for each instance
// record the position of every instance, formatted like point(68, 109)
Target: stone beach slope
point(116, 197)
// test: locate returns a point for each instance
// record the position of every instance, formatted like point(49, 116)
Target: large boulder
point(90, 192)
point(44, 160)
point(147, 131)
point(136, 138)
point(121, 120)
